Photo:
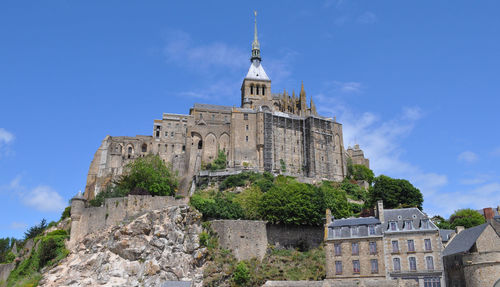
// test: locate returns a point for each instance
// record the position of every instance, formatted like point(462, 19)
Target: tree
point(335, 199)
point(149, 173)
point(396, 193)
point(36, 230)
point(249, 200)
point(361, 172)
point(440, 222)
point(466, 217)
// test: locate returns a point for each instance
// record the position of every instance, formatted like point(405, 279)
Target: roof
point(354, 221)
point(406, 214)
point(446, 234)
point(256, 72)
point(212, 107)
point(176, 284)
point(464, 240)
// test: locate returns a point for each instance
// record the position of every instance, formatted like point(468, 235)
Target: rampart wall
point(85, 220)
point(5, 270)
point(293, 236)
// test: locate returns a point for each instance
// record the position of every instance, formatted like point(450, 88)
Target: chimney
point(459, 229)
point(380, 211)
point(488, 213)
point(328, 216)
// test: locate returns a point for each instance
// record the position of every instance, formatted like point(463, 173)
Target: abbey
point(279, 133)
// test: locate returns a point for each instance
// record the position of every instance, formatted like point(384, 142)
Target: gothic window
point(251, 89)
point(257, 88)
point(130, 151)
point(397, 264)
point(200, 144)
point(144, 147)
point(263, 90)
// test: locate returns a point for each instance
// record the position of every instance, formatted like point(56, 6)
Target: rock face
point(156, 247)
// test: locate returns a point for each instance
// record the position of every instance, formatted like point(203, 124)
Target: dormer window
point(371, 229)
point(408, 225)
point(425, 224)
point(393, 226)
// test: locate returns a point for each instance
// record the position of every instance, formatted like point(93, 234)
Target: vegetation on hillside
point(463, 217)
point(222, 269)
point(217, 164)
point(396, 193)
point(6, 244)
point(144, 175)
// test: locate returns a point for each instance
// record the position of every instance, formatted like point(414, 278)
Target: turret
point(78, 204)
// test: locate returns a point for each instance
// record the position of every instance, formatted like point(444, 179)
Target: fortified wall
point(85, 220)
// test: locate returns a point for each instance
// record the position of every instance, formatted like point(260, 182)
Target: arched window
point(200, 144)
point(144, 147)
point(130, 150)
point(263, 90)
point(257, 87)
point(251, 89)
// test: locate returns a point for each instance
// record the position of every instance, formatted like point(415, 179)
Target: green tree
point(361, 172)
point(66, 213)
point(353, 190)
point(440, 222)
point(335, 199)
point(466, 217)
point(396, 193)
point(36, 230)
point(149, 173)
point(249, 200)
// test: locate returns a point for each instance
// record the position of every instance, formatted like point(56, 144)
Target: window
point(411, 245)
point(338, 267)
point(355, 248)
point(425, 224)
point(172, 134)
point(246, 127)
point(166, 134)
point(355, 266)
point(395, 246)
point(263, 90)
point(338, 231)
point(429, 261)
point(246, 138)
point(251, 90)
point(213, 117)
point(371, 228)
point(257, 88)
point(432, 282)
point(396, 264)
point(338, 249)
point(427, 243)
point(157, 134)
point(393, 225)
point(130, 150)
point(373, 247)
point(374, 264)
point(354, 231)
point(144, 147)
point(200, 144)
point(245, 116)
point(408, 225)
point(413, 263)
point(183, 148)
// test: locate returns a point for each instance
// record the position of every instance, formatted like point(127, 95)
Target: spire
point(255, 43)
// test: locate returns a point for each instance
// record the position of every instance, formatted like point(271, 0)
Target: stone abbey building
point(268, 132)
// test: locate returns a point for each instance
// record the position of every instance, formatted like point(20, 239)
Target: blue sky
point(415, 83)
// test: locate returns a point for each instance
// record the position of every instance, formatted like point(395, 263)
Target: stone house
point(472, 257)
point(274, 132)
point(408, 247)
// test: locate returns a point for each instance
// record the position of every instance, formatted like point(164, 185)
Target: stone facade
point(272, 132)
point(472, 258)
point(246, 239)
point(408, 247)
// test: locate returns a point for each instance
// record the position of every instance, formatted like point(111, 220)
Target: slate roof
point(464, 240)
point(256, 72)
point(212, 107)
point(176, 284)
point(354, 221)
point(445, 234)
point(404, 214)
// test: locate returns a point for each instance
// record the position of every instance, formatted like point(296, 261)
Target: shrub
point(66, 213)
point(58, 232)
point(249, 200)
point(241, 274)
point(466, 217)
point(48, 251)
point(220, 206)
point(204, 237)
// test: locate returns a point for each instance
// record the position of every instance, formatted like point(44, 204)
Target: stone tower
point(256, 87)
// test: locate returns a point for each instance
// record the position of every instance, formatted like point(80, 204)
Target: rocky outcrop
point(156, 247)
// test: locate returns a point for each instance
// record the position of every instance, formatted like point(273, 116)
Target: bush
point(66, 213)
point(58, 232)
point(220, 206)
point(241, 274)
point(241, 179)
point(249, 200)
point(110, 192)
point(48, 251)
point(204, 237)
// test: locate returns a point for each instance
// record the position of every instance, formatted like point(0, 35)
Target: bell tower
point(256, 87)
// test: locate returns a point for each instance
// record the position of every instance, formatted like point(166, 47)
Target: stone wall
point(5, 270)
point(292, 236)
point(343, 283)
point(245, 238)
point(87, 220)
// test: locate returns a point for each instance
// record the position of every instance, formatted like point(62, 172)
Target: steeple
point(255, 43)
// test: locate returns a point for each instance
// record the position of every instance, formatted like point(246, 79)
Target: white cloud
point(348, 87)
point(5, 136)
point(18, 225)
point(44, 198)
point(367, 18)
point(467, 157)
